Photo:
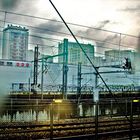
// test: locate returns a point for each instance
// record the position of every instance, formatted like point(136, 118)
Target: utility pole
point(5, 13)
point(120, 47)
point(65, 69)
point(42, 78)
point(79, 82)
point(35, 66)
point(96, 91)
point(96, 102)
point(79, 74)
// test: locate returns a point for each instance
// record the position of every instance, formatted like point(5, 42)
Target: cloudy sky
point(122, 16)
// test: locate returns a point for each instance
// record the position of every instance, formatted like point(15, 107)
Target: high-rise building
point(75, 53)
point(15, 43)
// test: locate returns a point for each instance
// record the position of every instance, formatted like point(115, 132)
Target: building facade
point(98, 61)
point(15, 75)
point(75, 54)
point(116, 55)
point(15, 43)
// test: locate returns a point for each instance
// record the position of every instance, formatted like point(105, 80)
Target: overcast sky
point(115, 15)
point(118, 15)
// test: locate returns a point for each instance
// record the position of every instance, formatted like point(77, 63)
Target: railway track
point(68, 129)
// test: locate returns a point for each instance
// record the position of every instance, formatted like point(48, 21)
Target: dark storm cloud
point(8, 4)
point(109, 39)
point(50, 27)
point(42, 30)
point(131, 9)
point(36, 39)
point(102, 24)
point(98, 32)
point(91, 32)
point(102, 37)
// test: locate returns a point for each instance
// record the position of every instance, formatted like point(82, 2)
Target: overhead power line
point(37, 17)
point(46, 38)
point(98, 73)
point(68, 34)
point(53, 40)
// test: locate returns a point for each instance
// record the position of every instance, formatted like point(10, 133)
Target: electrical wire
point(79, 25)
point(54, 40)
point(62, 33)
point(89, 60)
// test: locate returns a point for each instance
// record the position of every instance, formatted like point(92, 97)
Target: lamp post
point(42, 79)
point(96, 101)
point(52, 115)
point(51, 121)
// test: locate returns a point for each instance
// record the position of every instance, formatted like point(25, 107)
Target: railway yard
point(107, 128)
point(35, 118)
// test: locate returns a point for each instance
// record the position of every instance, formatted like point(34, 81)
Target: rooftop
point(15, 27)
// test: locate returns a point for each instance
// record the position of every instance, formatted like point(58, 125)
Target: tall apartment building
point(15, 43)
point(75, 53)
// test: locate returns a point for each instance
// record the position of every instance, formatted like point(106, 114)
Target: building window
point(21, 86)
point(27, 64)
point(1, 63)
point(17, 64)
point(22, 64)
point(9, 63)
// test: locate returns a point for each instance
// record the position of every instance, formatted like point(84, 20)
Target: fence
point(29, 110)
point(57, 118)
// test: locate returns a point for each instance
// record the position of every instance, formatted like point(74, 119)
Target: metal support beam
point(79, 82)
point(96, 80)
point(96, 120)
point(47, 57)
point(44, 61)
point(105, 72)
point(35, 65)
point(42, 78)
point(65, 69)
point(51, 121)
point(131, 120)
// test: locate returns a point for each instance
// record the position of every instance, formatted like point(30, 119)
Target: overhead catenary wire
point(46, 38)
point(80, 46)
point(88, 59)
point(67, 34)
point(42, 18)
point(52, 46)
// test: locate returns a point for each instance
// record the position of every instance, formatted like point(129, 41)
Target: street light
point(135, 101)
point(57, 100)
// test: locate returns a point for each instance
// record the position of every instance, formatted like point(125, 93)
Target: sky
point(122, 16)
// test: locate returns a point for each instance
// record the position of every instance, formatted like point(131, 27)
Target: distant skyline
point(121, 16)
